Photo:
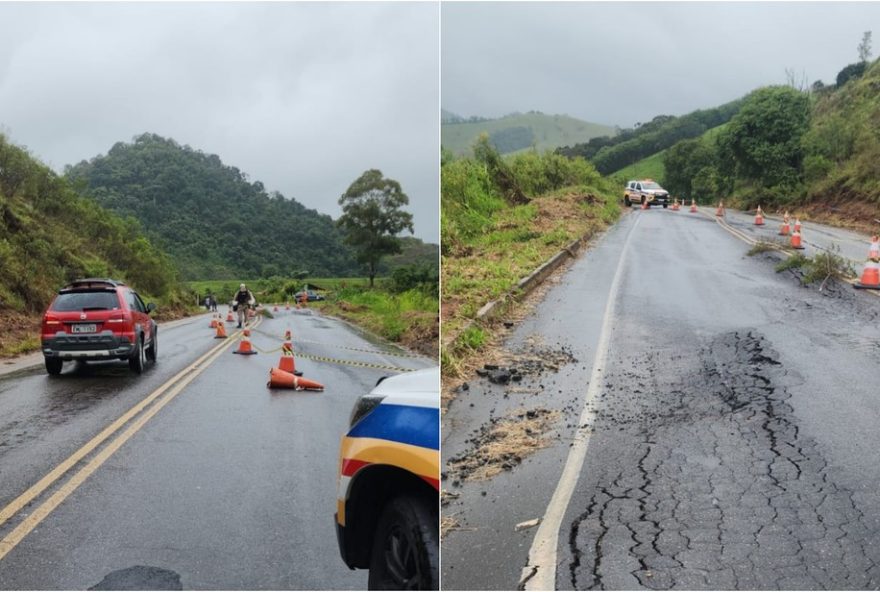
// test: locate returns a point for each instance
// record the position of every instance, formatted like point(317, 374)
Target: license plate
point(83, 328)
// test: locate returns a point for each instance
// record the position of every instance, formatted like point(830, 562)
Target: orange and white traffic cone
point(719, 211)
point(693, 206)
point(796, 239)
point(244, 346)
point(287, 361)
point(870, 276)
point(221, 331)
point(229, 317)
point(213, 321)
point(287, 335)
point(797, 224)
point(644, 205)
point(281, 379)
point(785, 228)
point(275, 308)
point(759, 217)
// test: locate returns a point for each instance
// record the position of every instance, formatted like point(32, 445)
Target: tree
point(850, 72)
point(764, 138)
point(372, 218)
point(865, 47)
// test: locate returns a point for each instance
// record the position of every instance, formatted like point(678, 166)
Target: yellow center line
point(40, 486)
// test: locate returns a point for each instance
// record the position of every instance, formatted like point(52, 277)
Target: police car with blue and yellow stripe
point(387, 507)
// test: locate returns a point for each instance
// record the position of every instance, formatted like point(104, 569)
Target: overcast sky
point(303, 97)
point(622, 63)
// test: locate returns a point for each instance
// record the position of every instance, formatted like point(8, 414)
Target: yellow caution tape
point(353, 363)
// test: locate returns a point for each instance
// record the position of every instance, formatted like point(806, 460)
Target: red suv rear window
point(70, 301)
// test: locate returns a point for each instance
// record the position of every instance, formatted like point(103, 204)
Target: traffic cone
point(287, 307)
point(244, 346)
point(796, 239)
point(785, 227)
point(645, 205)
point(229, 317)
point(759, 217)
point(221, 331)
point(275, 308)
point(797, 224)
point(874, 250)
point(213, 321)
point(719, 211)
point(287, 361)
point(870, 276)
point(281, 379)
point(287, 336)
point(693, 206)
point(786, 218)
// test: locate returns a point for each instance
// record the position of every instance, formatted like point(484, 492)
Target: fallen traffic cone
point(244, 346)
point(870, 276)
point(796, 239)
point(874, 250)
point(759, 217)
point(281, 379)
point(693, 206)
point(221, 331)
point(719, 211)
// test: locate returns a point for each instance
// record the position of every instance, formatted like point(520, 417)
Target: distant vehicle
point(311, 296)
point(99, 319)
point(387, 515)
point(645, 191)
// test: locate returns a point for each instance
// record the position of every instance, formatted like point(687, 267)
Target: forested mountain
point(609, 154)
point(50, 235)
point(213, 221)
point(517, 131)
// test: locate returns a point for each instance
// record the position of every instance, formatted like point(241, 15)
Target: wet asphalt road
point(229, 486)
point(734, 444)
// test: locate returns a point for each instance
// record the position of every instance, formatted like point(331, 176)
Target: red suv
point(99, 319)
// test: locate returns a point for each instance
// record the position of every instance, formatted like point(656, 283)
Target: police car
point(647, 192)
point(387, 507)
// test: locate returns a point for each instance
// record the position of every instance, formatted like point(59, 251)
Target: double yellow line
point(170, 389)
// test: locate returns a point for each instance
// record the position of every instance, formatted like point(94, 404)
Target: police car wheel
point(406, 548)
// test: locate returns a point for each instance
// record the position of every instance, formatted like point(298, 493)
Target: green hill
point(209, 216)
point(518, 131)
point(50, 235)
point(631, 145)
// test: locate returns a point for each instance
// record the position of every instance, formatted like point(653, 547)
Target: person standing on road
point(243, 300)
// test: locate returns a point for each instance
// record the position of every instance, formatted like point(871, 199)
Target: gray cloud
point(303, 97)
point(622, 63)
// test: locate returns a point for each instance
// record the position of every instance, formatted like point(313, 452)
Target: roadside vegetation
point(501, 217)
point(811, 149)
point(50, 235)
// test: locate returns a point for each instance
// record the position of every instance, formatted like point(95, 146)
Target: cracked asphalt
point(734, 439)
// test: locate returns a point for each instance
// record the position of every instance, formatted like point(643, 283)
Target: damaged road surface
point(729, 441)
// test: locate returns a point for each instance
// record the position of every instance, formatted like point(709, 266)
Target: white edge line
point(540, 570)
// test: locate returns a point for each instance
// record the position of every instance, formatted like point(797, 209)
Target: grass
point(796, 261)
point(517, 240)
point(549, 131)
point(274, 289)
point(647, 168)
point(409, 318)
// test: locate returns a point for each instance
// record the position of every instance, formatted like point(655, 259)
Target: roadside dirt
point(501, 444)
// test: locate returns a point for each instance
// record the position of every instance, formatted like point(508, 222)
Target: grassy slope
point(652, 167)
point(551, 131)
point(521, 238)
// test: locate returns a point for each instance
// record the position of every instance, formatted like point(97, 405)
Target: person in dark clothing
point(243, 300)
